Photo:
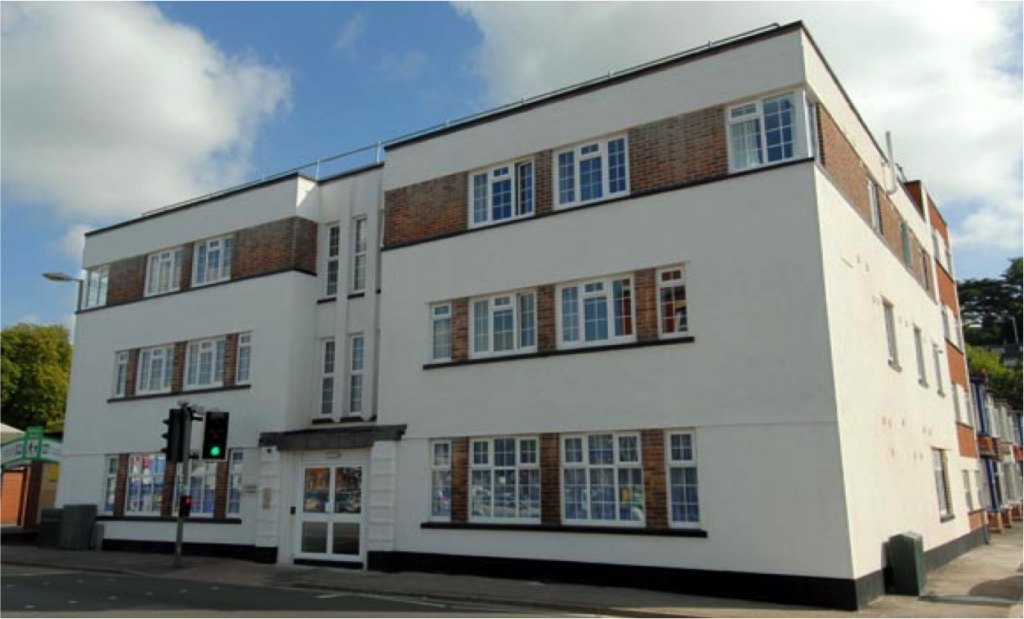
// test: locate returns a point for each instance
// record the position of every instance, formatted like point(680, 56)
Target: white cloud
point(350, 33)
point(928, 72)
point(405, 66)
point(31, 319)
point(110, 109)
point(72, 243)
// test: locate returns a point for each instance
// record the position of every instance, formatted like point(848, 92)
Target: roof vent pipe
point(891, 163)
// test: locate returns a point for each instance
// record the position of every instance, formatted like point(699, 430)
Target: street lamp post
point(58, 276)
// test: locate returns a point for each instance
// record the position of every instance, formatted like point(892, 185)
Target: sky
point(111, 109)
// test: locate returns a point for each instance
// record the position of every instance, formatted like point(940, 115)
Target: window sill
point(192, 519)
point(895, 366)
point(558, 352)
point(356, 295)
point(326, 300)
point(174, 394)
point(326, 420)
point(566, 528)
point(947, 518)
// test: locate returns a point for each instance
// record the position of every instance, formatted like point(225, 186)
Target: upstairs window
point(243, 359)
point(672, 311)
point(358, 282)
point(156, 366)
point(596, 312)
point(163, 272)
point(441, 332)
point(937, 358)
point(501, 193)
point(212, 261)
point(922, 376)
point(889, 314)
point(905, 243)
point(205, 365)
point(121, 374)
point(593, 171)
point(333, 247)
point(876, 206)
point(504, 324)
point(768, 131)
point(94, 293)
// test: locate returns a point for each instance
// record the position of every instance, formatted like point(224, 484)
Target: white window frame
point(440, 312)
point(941, 474)
point(937, 358)
point(968, 493)
point(172, 258)
point(356, 375)
point(922, 365)
point(803, 132)
point(607, 291)
point(673, 283)
point(440, 466)
point(616, 465)
point(892, 342)
point(147, 357)
point(223, 247)
point(328, 376)
point(495, 304)
point(332, 260)
point(360, 246)
point(154, 479)
point(584, 151)
point(489, 466)
point(94, 287)
point(244, 345)
point(236, 481)
point(205, 471)
point(672, 462)
point(122, 359)
point(513, 172)
point(111, 464)
point(875, 205)
point(195, 351)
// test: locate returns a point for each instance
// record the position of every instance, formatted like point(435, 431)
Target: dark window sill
point(559, 353)
point(357, 295)
point(169, 519)
point(178, 394)
point(895, 366)
point(326, 300)
point(564, 528)
point(947, 518)
point(322, 421)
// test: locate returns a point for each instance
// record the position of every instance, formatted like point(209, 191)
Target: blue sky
point(211, 94)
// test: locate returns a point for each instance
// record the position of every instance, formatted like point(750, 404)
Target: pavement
point(983, 583)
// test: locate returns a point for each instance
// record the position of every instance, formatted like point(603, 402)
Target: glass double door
point(331, 512)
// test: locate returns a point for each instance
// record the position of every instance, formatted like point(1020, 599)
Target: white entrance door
point(330, 513)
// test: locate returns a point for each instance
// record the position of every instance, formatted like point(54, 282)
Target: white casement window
point(981, 486)
point(602, 479)
point(211, 262)
point(945, 323)
point(331, 261)
point(876, 206)
point(504, 479)
point(596, 312)
point(202, 487)
point(926, 272)
point(504, 324)
point(356, 367)
point(357, 283)
point(941, 482)
point(145, 484)
point(110, 467)
point(672, 310)
point(327, 372)
point(243, 359)
point(957, 407)
point(684, 498)
point(121, 374)
point(949, 260)
point(204, 365)
point(441, 332)
point(441, 480)
point(592, 171)
point(769, 131)
point(156, 367)
point(922, 376)
point(937, 358)
point(968, 494)
point(236, 480)
point(905, 250)
point(501, 193)
point(94, 287)
point(163, 272)
point(890, 333)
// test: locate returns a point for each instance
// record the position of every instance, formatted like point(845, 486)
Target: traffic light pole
point(180, 481)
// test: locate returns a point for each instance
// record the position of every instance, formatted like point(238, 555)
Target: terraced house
point(680, 327)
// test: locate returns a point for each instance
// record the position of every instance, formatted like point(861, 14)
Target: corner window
point(441, 480)
point(596, 312)
point(602, 479)
point(592, 171)
point(204, 367)
point(243, 359)
point(357, 357)
point(110, 484)
point(441, 332)
point(905, 243)
point(163, 272)
point(331, 272)
point(327, 377)
point(876, 206)
point(202, 487)
point(358, 282)
point(236, 477)
point(212, 261)
point(94, 293)
point(684, 499)
point(156, 366)
point(121, 374)
point(672, 310)
point(504, 482)
point(504, 324)
point(890, 333)
point(767, 131)
point(501, 193)
point(941, 482)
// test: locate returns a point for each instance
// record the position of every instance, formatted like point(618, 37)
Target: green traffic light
point(215, 451)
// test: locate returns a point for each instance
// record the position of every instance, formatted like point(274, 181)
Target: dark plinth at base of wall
point(257, 554)
point(941, 555)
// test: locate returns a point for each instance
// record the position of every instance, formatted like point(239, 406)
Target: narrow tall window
point(926, 275)
point(121, 374)
point(905, 243)
point(501, 193)
point(922, 376)
point(243, 359)
point(212, 261)
point(672, 311)
point(937, 358)
point(593, 171)
point(205, 363)
point(504, 479)
point(876, 207)
point(941, 482)
point(202, 487)
point(504, 324)
point(765, 131)
point(327, 377)
point(441, 480)
point(145, 484)
point(236, 479)
point(602, 479)
point(441, 332)
point(682, 473)
point(890, 333)
point(357, 355)
point(957, 407)
point(333, 247)
point(358, 255)
point(163, 272)
point(110, 484)
point(155, 368)
point(968, 495)
point(95, 287)
point(596, 312)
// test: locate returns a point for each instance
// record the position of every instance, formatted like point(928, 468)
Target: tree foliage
point(1005, 382)
point(991, 307)
point(36, 368)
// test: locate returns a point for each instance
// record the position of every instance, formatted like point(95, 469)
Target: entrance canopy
point(332, 438)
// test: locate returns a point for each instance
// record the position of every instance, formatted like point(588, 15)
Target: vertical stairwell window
point(357, 365)
point(684, 499)
point(441, 480)
point(441, 332)
point(889, 314)
point(359, 245)
point(327, 370)
point(331, 261)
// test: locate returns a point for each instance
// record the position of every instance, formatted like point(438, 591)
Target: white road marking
point(29, 607)
point(72, 601)
point(328, 596)
point(400, 599)
point(183, 591)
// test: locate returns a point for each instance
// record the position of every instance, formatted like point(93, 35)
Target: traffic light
point(185, 505)
point(215, 436)
point(175, 435)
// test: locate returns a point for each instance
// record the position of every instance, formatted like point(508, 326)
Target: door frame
point(301, 516)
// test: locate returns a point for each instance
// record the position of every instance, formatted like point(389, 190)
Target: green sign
point(31, 447)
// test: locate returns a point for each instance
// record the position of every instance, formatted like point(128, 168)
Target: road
point(30, 591)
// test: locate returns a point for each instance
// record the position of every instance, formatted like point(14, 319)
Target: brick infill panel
point(655, 486)
point(550, 479)
point(460, 479)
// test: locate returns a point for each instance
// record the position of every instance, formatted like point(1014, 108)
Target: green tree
point(36, 367)
point(1004, 381)
point(991, 307)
